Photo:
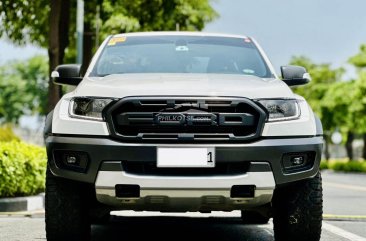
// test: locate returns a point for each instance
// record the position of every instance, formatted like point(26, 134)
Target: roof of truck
point(180, 33)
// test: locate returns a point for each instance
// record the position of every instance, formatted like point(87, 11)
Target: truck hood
point(123, 85)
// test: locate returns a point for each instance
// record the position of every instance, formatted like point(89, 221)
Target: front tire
point(298, 210)
point(66, 207)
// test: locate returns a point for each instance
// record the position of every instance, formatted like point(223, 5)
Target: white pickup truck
point(178, 122)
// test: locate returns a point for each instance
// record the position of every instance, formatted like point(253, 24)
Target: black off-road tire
point(298, 210)
point(99, 214)
point(252, 217)
point(66, 206)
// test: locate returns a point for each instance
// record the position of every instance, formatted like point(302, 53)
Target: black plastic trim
point(266, 151)
point(182, 137)
point(259, 167)
point(258, 139)
point(111, 166)
point(244, 168)
point(242, 191)
point(48, 125)
point(319, 126)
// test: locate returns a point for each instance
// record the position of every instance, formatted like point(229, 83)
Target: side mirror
point(295, 75)
point(67, 74)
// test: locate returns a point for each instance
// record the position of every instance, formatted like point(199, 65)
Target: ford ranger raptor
point(183, 122)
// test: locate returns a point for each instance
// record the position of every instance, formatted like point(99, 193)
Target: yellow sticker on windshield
point(115, 40)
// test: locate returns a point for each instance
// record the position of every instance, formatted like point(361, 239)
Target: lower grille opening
point(127, 191)
point(221, 169)
point(242, 191)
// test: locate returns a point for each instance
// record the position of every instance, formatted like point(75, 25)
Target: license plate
point(185, 157)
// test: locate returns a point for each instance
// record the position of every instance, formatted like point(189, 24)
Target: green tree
point(51, 24)
point(23, 87)
point(359, 105)
point(359, 60)
point(323, 77)
point(117, 16)
point(43, 23)
point(336, 108)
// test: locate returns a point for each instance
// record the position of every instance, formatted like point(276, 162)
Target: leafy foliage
point(324, 80)
point(344, 165)
point(352, 166)
point(359, 60)
point(23, 87)
point(24, 21)
point(7, 134)
point(22, 169)
point(357, 107)
point(335, 106)
point(52, 24)
point(117, 16)
point(324, 165)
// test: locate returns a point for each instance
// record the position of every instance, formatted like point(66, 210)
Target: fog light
point(297, 160)
point(72, 160)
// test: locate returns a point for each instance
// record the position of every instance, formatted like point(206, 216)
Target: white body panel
point(213, 85)
point(304, 126)
point(123, 85)
point(186, 192)
point(62, 123)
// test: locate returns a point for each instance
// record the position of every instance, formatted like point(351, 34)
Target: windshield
point(180, 54)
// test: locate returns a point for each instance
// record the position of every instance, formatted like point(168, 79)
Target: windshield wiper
point(104, 75)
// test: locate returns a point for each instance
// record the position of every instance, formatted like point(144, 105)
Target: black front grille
point(183, 119)
point(221, 169)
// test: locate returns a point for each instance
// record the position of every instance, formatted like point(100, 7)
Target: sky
point(10, 52)
point(326, 31)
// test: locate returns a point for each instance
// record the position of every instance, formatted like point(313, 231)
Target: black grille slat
point(143, 129)
point(185, 119)
point(185, 136)
point(221, 168)
point(135, 118)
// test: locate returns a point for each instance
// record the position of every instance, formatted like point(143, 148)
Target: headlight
point(281, 109)
point(88, 108)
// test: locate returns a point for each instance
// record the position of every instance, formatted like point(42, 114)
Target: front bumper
point(100, 150)
point(184, 193)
